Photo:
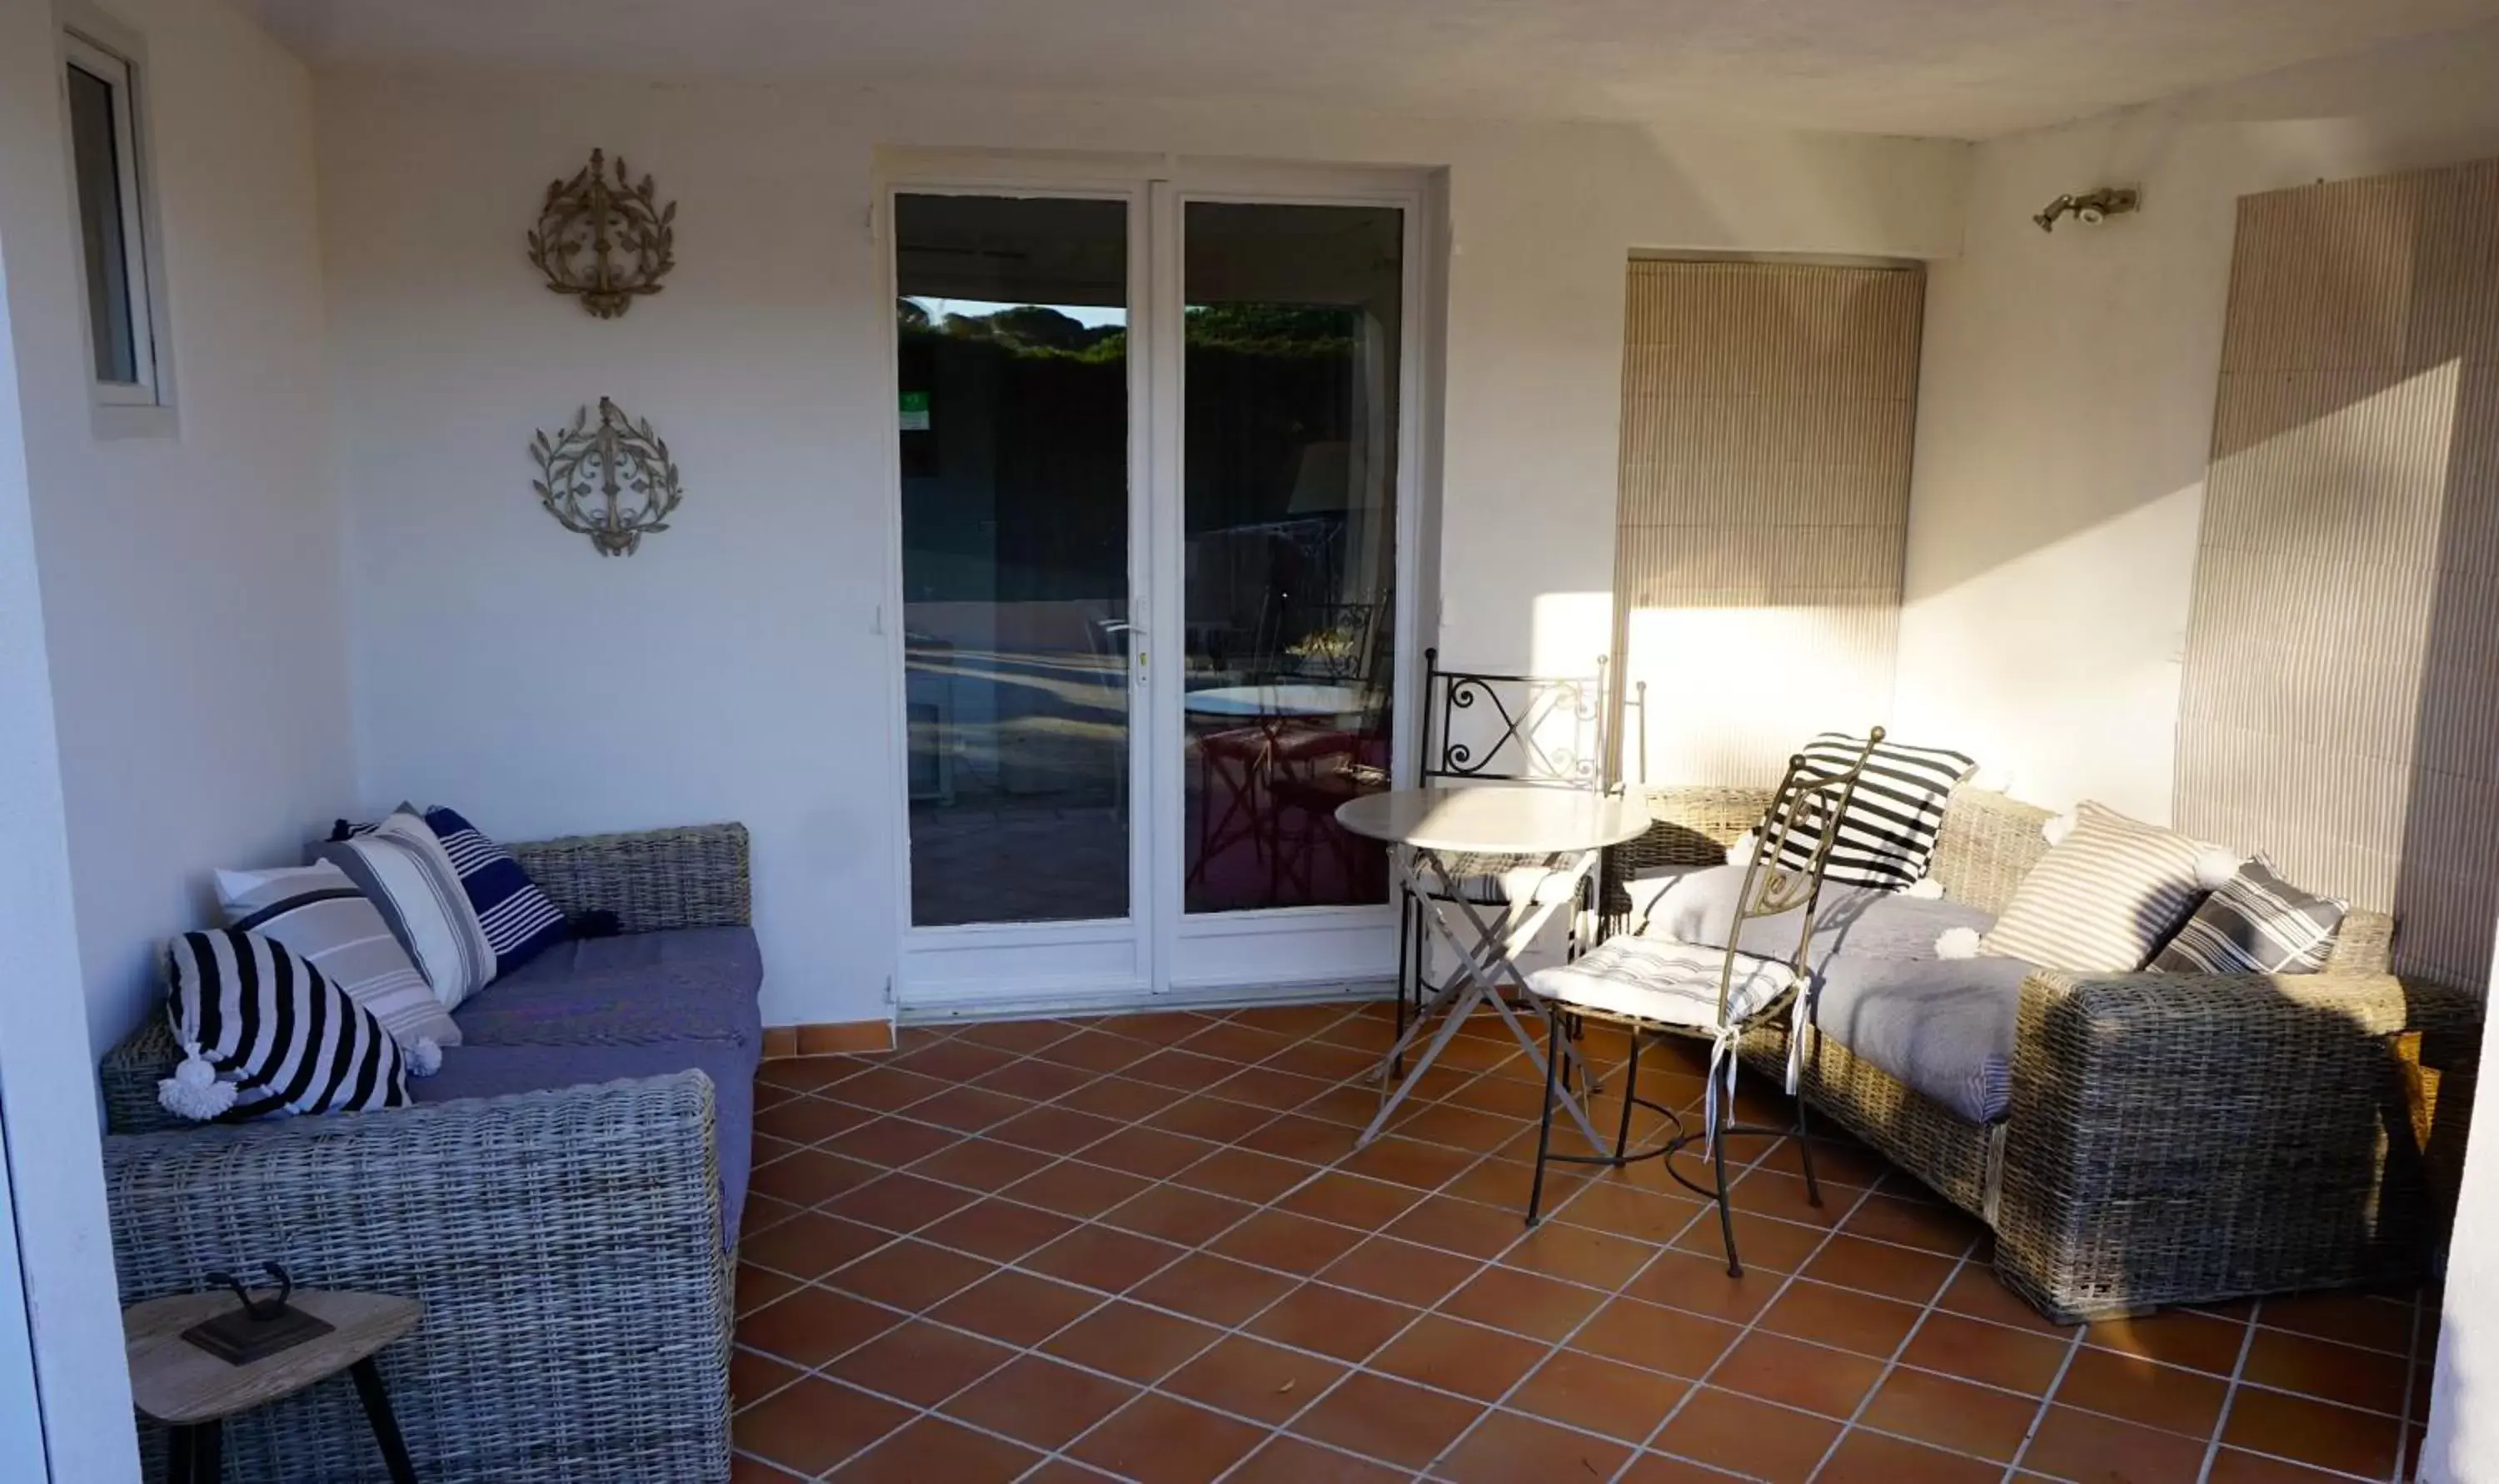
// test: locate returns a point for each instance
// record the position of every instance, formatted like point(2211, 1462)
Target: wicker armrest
point(566, 1246)
point(653, 881)
point(2183, 1138)
point(1693, 825)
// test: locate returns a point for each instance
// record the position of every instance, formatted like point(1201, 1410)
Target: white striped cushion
point(400, 865)
point(316, 910)
point(1888, 832)
point(2104, 897)
point(1664, 982)
point(269, 1022)
point(2257, 923)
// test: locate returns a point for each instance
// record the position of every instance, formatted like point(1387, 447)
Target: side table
point(192, 1392)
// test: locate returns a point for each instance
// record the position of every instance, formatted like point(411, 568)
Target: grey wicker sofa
point(2170, 1139)
point(566, 1242)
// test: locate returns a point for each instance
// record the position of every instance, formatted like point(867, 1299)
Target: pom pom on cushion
point(1928, 890)
point(193, 1091)
point(2057, 829)
point(1957, 943)
point(2215, 868)
point(424, 1056)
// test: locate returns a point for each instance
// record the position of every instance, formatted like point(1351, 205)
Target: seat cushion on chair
point(1664, 982)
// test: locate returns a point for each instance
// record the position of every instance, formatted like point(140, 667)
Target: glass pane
point(1013, 376)
point(1291, 407)
point(96, 157)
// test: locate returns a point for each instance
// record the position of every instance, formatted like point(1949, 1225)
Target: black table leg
point(207, 1452)
point(377, 1411)
point(178, 1455)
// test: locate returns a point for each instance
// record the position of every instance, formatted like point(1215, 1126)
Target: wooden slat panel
point(2341, 700)
point(1769, 411)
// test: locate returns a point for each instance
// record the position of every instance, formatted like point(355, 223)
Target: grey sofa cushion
point(1943, 1026)
point(593, 1010)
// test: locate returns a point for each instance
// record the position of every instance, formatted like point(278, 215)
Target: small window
point(104, 165)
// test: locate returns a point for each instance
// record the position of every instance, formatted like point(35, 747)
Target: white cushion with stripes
point(2105, 896)
point(1664, 982)
point(316, 910)
point(270, 1023)
point(1887, 834)
point(401, 866)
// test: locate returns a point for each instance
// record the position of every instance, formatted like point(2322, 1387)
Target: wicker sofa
point(566, 1242)
point(2171, 1140)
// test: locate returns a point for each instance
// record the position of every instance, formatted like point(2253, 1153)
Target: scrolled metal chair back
point(1809, 803)
point(1548, 730)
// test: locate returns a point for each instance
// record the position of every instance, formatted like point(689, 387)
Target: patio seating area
point(1293, 742)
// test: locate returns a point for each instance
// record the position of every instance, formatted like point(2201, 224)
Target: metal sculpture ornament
point(607, 243)
point(612, 481)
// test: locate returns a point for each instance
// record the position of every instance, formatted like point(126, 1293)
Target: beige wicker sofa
point(567, 1244)
point(2171, 1139)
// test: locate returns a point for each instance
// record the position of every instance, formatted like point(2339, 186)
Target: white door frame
point(1157, 951)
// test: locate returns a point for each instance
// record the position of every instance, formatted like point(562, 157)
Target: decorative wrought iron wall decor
point(612, 481)
point(609, 243)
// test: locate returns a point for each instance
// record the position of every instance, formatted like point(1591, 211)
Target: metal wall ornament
point(612, 481)
point(608, 243)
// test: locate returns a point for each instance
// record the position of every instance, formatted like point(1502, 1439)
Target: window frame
point(95, 44)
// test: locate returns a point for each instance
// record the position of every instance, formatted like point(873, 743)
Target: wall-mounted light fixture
point(2091, 208)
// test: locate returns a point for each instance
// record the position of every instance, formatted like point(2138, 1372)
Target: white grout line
point(1893, 1363)
point(2040, 1418)
point(2230, 1394)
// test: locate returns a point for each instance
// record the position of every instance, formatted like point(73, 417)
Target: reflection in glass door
point(1289, 405)
point(1013, 374)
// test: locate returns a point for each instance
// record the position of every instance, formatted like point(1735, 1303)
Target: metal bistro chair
point(1548, 731)
point(1658, 987)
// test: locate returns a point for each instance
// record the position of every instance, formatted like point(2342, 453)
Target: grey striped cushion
point(2104, 897)
point(1888, 832)
point(2257, 923)
point(316, 910)
point(267, 1022)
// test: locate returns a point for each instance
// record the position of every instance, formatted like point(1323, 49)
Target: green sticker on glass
point(915, 412)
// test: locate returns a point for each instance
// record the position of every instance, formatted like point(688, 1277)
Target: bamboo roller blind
point(1767, 418)
point(2341, 700)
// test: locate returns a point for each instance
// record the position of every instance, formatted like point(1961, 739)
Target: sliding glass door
point(1152, 459)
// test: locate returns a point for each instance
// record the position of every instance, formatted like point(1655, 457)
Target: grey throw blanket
point(1943, 1026)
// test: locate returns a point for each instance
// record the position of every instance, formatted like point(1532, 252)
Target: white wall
point(729, 671)
point(190, 584)
point(2066, 407)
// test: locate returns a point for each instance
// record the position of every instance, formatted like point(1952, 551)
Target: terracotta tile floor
point(1143, 1247)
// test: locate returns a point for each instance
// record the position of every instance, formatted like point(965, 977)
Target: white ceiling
point(1965, 68)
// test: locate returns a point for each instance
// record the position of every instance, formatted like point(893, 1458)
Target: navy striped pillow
point(266, 1021)
point(2256, 924)
point(520, 920)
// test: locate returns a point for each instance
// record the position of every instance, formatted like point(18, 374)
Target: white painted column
point(2463, 1444)
point(54, 1161)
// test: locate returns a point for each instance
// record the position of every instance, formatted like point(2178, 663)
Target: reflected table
point(1240, 761)
point(1426, 830)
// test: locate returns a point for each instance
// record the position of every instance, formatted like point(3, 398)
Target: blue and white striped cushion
point(520, 920)
point(266, 1021)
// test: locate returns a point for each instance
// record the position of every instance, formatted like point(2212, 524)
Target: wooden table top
point(175, 1381)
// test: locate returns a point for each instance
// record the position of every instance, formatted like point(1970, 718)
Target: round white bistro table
point(1425, 829)
point(1246, 702)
